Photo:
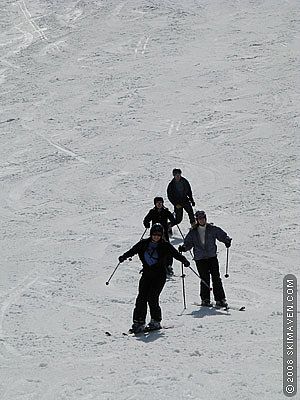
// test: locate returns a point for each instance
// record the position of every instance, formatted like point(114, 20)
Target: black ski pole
point(226, 272)
point(183, 240)
point(130, 259)
point(204, 283)
point(194, 272)
point(107, 282)
point(180, 231)
point(143, 234)
point(183, 286)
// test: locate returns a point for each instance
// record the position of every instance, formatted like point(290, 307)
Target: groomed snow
point(100, 100)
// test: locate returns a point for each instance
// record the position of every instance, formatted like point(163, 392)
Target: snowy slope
point(100, 100)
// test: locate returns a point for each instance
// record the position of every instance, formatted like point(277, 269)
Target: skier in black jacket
point(160, 214)
point(154, 253)
point(180, 195)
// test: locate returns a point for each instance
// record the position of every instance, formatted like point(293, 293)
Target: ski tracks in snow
point(30, 29)
point(30, 20)
point(63, 149)
point(141, 46)
point(130, 15)
point(10, 298)
point(176, 125)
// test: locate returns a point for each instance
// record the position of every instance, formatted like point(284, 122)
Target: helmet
point(176, 171)
point(200, 214)
point(156, 228)
point(156, 199)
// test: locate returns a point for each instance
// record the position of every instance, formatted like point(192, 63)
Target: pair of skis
point(227, 308)
point(145, 331)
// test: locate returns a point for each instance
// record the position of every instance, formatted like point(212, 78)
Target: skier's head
point(177, 173)
point(158, 202)
point(200, 217)
point(156, 232)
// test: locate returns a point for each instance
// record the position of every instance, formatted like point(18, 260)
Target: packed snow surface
point(100, 100)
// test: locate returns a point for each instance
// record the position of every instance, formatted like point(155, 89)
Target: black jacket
point(164, 249)
point(162, 217)
point(173, 194)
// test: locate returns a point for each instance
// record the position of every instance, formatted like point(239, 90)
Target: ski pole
point(130, 259)
point(183, 286)
point(194, 272)
point(226, 271)
point(204, 283)
point(183, 240)
point(143, 234)
point(107, 282)
point(180, 231)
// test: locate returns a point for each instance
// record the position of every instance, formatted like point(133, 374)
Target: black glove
point(122, 259)
point(186, 263)
point(181, 248)
point(192, 203)
point(147, 225)
point(228, 243)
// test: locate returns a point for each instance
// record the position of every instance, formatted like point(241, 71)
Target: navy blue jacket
point(164, 249)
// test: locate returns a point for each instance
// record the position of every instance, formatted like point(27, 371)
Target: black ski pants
point(206, 268)
point(179, 212)
point(150, 287)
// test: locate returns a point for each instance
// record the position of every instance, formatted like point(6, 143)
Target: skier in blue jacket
point(154, 254)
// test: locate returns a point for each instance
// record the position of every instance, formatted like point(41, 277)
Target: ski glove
point(122, 259)
point(192, 203)
point(147, 225)
point(186, 263)
point(228, 243)
point(181, 248)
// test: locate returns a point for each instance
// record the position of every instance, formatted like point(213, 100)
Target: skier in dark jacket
point(180, 195)
point(160, 214)
point(202, 238)
point(154, 253)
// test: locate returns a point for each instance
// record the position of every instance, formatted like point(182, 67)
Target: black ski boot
point(137, 327)
point(222, 303)
point(206, 303)
point(153, 326)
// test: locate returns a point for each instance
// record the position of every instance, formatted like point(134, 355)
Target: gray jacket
point(212, 232)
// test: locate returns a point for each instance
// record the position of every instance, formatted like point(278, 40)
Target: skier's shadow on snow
point(206, 311)
point(151, 336)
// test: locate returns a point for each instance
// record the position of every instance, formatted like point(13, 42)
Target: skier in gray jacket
point(202, 238)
